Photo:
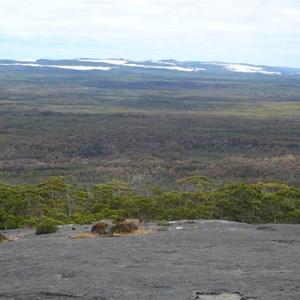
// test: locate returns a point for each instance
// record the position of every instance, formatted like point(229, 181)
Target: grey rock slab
point(227, 259)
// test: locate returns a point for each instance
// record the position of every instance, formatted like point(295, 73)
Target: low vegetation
point(163, 223)
point(123, 227)
point(111, 228)
point(59, 201)
point(45, 226)
point(3, 238)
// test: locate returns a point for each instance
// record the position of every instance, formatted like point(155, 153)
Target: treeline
point(196, 197)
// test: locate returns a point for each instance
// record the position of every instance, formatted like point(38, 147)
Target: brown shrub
point(99, 227)
point(124, 227)
point(3, 238)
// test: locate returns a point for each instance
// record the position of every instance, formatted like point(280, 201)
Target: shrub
point(46, 226)
point(32, 222)
point(10, 222)
point(3, 238)
point(122, 227)
point(99, 228)
point(76, 219)
point(163, 223)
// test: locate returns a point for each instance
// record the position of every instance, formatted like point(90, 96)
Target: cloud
point(182, 29)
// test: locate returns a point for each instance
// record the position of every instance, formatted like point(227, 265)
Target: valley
point(148, 125)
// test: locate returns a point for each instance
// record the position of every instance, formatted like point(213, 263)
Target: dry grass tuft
point(85, 235)
point(136, 232)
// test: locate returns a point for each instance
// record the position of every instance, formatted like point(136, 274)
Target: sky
point(264, 32)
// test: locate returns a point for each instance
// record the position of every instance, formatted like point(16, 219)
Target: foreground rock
point(210, 260)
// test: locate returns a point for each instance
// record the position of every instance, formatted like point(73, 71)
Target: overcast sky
point(250, 31)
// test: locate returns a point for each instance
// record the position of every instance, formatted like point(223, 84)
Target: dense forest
point(70, 139)
point(146, 126)
point(62, 201)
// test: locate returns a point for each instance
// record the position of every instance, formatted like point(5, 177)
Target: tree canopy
point(197, 197)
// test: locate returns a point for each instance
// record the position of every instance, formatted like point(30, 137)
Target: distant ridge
point(96, 64)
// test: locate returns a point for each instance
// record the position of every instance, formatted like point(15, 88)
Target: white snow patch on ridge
point(80, 68)
point(242, 68)
point(245, 69)
point(106, 61)
point(160, 65)
point(19, 64)
point(117, 62)
point(270, 73)
point(163, 62)
point(26, 60)
point(125, 63)
point(174, 68)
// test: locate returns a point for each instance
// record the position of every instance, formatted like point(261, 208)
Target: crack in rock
point(59, 294)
